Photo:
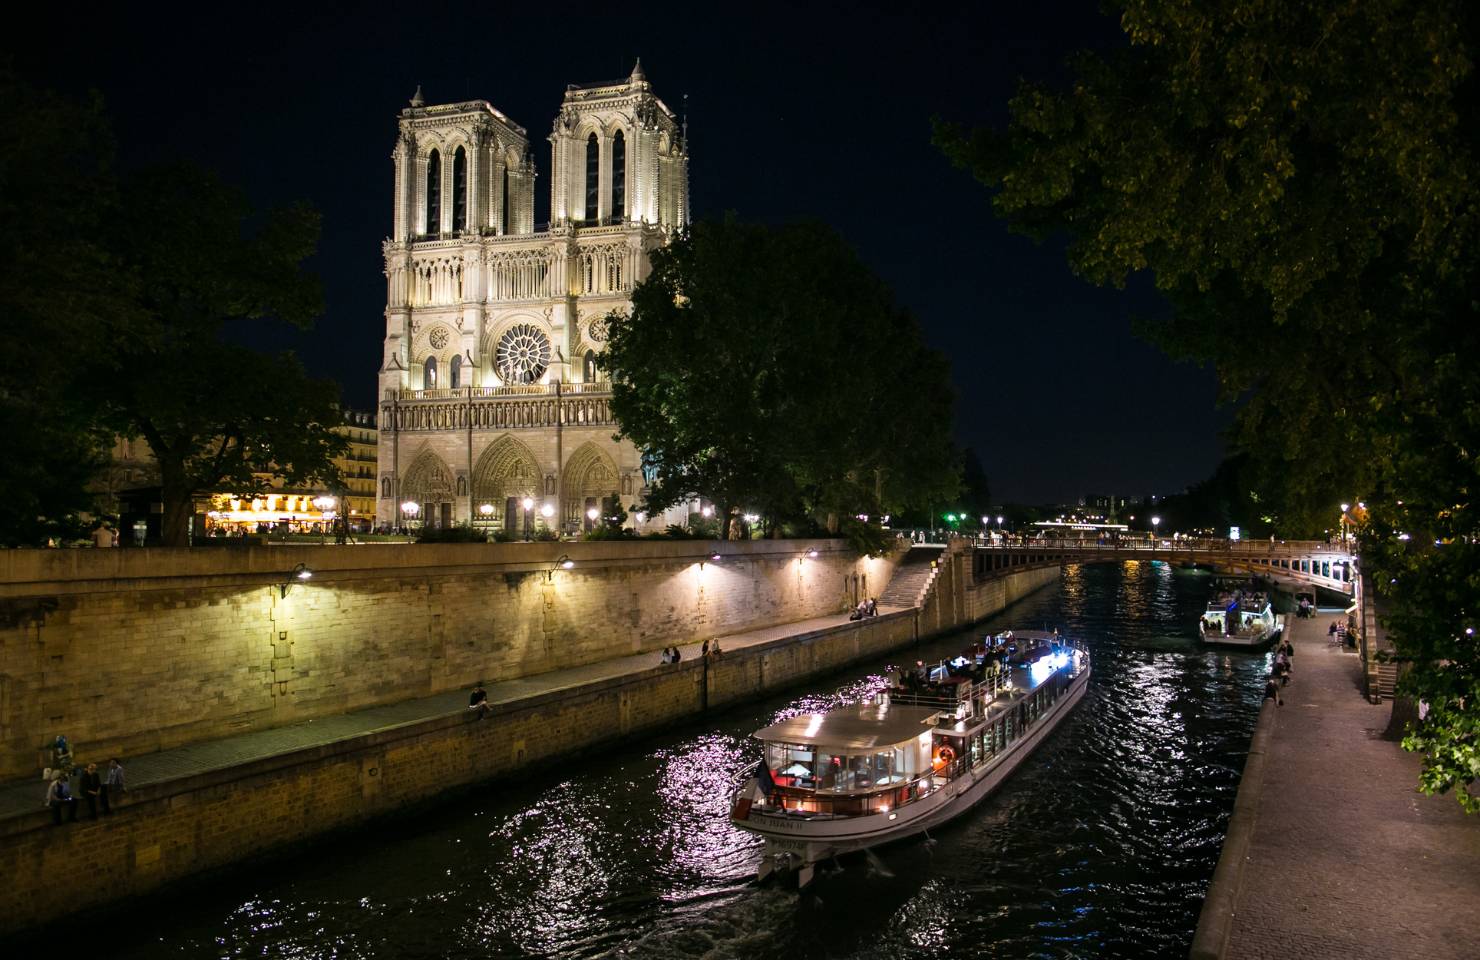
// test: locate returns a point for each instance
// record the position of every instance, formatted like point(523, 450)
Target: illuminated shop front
point(273, 511)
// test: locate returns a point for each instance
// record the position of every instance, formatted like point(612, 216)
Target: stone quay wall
point(169, 831)
point(133, 651)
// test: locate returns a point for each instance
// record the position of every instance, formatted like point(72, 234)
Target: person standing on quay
point(112, 784)
point(92, 788)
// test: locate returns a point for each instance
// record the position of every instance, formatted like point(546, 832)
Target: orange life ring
point(945, 755)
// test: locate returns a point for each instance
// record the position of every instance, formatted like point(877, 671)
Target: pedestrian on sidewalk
point(112, 785)
point(478, 700)
point(92, 787)
point(712, 651)
point(1272, 691)
point(704, 650)
point(59, 795)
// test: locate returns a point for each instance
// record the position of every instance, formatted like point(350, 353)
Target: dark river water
point(1101, 845)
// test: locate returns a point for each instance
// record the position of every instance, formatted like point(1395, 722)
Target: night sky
point(823, 114)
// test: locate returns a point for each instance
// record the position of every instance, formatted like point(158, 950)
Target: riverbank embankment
point(221, 801)
point(1332, 852)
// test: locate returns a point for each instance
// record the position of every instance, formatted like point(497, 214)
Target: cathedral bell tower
point(618, 155)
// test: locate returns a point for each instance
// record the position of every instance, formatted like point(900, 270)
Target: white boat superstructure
point(1241, 619)
point(923, 752)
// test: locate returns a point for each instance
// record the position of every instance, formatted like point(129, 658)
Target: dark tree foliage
point(117, 294)
point(976, 491)
point(217, 415)
point(56, 281)
point(1300, 180)
point(1226, 499)
point(768, 370)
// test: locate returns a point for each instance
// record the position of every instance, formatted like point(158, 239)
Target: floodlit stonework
point(491, 390)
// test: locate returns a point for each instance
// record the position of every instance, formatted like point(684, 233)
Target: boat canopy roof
point(867, 726)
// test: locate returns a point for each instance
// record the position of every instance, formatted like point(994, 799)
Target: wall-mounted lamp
point(811, 554)
point(299, 572)
point(564, 562)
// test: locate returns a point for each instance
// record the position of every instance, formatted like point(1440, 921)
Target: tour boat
point(1241, 619)
point(922, 752)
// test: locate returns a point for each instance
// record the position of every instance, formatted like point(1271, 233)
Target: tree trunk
point(176, 493)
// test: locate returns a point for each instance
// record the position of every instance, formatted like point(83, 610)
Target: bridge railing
point(1252, 548)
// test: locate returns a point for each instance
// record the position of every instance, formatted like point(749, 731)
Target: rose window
point(438, 338)
point(596, 331)
point(523, 354)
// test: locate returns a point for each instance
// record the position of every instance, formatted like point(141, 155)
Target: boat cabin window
point(811, 767)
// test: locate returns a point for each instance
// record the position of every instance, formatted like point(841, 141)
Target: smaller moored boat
point(1240, 618)
point(925, 750)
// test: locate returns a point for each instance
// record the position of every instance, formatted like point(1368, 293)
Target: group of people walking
point(97, 789)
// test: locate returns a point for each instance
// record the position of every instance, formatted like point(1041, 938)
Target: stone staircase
point(912, 578)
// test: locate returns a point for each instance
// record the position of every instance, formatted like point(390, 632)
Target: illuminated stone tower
point(491, 390)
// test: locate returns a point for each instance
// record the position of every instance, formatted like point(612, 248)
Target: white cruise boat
point(923, 752)
point(1240, 619)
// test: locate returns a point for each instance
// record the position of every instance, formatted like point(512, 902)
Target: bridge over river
point(1293, 563)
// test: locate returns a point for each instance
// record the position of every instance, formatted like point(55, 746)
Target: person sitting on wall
point(714, 650)
point(873, 608)
point(478, 700)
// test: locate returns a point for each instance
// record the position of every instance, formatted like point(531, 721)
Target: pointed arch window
point(593, 176)
point(506, 200)
point(454, 372)
point(459, 190)
point(619, 176)
point(592, 372)
point(434, 193)
point(429, 375)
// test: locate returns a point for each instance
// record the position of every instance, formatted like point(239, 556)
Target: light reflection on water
point(1101, 845)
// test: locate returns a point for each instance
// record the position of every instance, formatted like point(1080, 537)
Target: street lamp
point(1155, 522)
point(563, 562)
point(299, 572)
point(528, 504)
point(410, 508)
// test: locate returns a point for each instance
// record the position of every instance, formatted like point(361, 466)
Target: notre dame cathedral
point(493, 407)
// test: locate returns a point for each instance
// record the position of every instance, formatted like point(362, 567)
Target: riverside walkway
point(1345, 858)
point(25, 797)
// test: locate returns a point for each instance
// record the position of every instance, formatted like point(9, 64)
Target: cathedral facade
point(494, 410)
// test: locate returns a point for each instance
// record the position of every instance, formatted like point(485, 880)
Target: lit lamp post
point(325, 503)
point(547, 510)
point(410, 509)
point(528, 504)
point(1155, 522)
point(592, 514)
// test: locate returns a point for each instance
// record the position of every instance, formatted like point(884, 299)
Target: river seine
point(1101, 845)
